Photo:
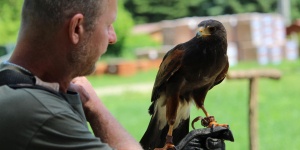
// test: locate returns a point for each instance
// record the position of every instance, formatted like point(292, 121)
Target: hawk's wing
point(154, 136)
point(170, 64)
point(221, 76)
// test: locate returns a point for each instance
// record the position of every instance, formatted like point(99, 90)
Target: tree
point(10, 11)
point(122, 26)
point(157, 10)
point(295, 9)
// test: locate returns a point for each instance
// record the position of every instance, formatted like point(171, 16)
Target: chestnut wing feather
point(171, 64)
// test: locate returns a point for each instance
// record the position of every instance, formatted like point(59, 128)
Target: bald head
point(51, 14)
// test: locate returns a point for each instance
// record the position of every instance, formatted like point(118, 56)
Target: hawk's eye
point(211, 29)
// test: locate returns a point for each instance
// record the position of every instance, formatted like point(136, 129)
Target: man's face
point(104, 33)
point(97, 41)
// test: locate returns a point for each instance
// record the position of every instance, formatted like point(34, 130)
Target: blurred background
point(261, 35)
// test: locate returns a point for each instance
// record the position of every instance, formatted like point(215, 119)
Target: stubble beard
point(82, 60)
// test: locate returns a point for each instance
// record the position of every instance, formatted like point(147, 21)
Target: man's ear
point(76, 28)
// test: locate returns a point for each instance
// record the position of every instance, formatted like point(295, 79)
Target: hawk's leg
point(169, 140)
point(199, 96)
point(171, 112)
point(204, 110)
point(208, 121)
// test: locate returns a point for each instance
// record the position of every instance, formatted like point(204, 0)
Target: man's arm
point(104, 125)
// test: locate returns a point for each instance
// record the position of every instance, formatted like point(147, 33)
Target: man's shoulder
point(38, 118)
point(30, 98)
point(23, 112)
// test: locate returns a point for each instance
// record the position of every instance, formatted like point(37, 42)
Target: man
point(58, 41)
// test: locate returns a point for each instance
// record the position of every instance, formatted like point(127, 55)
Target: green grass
point(228, 102)
point(111, 80)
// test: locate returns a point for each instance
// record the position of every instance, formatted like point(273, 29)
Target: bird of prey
point(186, 74)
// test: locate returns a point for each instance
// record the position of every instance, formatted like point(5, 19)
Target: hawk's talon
point(195, 120)
point(168, 146)
point(208, 122)
point(214, 124)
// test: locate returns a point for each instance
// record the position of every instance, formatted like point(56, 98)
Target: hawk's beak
point(203, 32)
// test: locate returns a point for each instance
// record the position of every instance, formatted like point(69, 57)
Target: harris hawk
point(186, 74)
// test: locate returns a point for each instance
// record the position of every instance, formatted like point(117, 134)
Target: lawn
point(228, 102)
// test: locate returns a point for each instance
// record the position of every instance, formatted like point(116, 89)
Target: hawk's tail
point(156, 138)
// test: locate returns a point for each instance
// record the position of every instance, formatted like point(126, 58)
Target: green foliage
point(127, 42)
point(295, 11)
point(137, 41)
point(130, 44)
point(157, 10)
point(2, 51)
point(123, 26)
point(10, 11)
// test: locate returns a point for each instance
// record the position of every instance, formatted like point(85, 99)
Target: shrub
point(123, 26)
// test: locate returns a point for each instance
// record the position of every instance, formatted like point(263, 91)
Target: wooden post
point(253, 113)
point(253, 76)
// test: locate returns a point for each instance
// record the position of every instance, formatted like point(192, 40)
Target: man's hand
point(87, 94)
point(79, 85)
point(104, 125)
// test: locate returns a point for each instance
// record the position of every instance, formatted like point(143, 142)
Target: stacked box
point(291, 50)
point(168, 32)
point(232, 52)
point(260, 37)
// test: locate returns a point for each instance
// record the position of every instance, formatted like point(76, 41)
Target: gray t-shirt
point(38, 119)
